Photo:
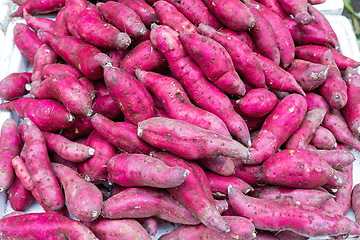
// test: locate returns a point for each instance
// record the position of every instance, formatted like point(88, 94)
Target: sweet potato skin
point(83, 199)
point(135, 170)
point(36, 7)
point(19, 197)
point(310, 224)
point(355, 202)
point(204, 143)
point(323, 139)
point(143, 9)
point(13, 85)
point(299, 171)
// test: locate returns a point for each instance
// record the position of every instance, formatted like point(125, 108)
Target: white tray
point(331, 7)
point(11, 60)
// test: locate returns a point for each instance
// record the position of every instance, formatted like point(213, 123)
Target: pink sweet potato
point(240, 228)
point(44, 55)
point(150, 224)
point(323, 139)
point(263, 30)
point(91, 28)
point(315, 100)
point(274, 6)
point(68, 90)
point(221, 165)
point(239, 20)
point(350, 110)
point(38, 7)
point(194, 193)
point(214, 61)
point(257, 103)
point(109, 229)
point(69, 150)
point(279, 125)
point(309, 75)
point(26, 40)
point(245, 61)
point(83, 199)
point(56, 69)
point(164, 132)
point(71, 12)
point(56, 158)
point(176, 103)
point(243, 36)
point(106, 106)
point(123, 17)
point(303, 135)
point(304, 220)
point(343, 195)
point(143, 9)
point(145, 57)
point(286, 195)
point(39, 166)
point(337, 158)
point(11, 145)
point(170, 16)
point(314, 52)
point(131, 96)
point(136, 170)
point(355, 201)
point(19, 197)
point(37, 23)
point(297, 8)
point(196, 12)
point(81, 126)
point(13, 85)
point(200, 90)
point(60, 23)
point(22, 173)
point(121, 134)
point(95, 169)
point(152, 201)
point(77, 53)
point(117, 55)
point(44, 226)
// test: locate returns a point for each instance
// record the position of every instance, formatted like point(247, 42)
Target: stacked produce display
point(192, 119)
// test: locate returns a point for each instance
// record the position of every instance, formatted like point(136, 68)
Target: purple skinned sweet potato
point(350, 110)
point(60, 23)
point(240, 228)
point(77, 53)
point(150, 224)
point(143, 9)
point(313, 53)
point(68, 90)
point(257, 103)
point(170, 16)
point(214, 61)
point(308, 75)
point(176, 103)
point(343, 195)
point(303, 135)
point(221, 165)
point(56, 158)
point(22, 173)
point(13, 85)
point(81, 126)
point(39, 167)
point(244, 59)
point(69, 150)
point(19, 197)
point(93, 29)
point(49, 225)
point(197, 12)
point(263, 30)
point(163, 132)
point(278, 126)
point(274, 6)
point(44, 55)
point(304, 220)
point(195, 193)
point(136, 170)
point(11, 146)
point(314, 100)
point(71, 12)
point(337, 181)
point(239, 20)
point(56, 69)
point(121, 134)
point(323, 139)
point(109, 229)
point(83, 199)
point(123, 17)
point(95, 168)
point(355, 201)
point(243, 36)
point(286, 195)
point(303, 169)
point(131, 96)
point(277, 78)
point(34, 7)
point(145, 57)
point(298, 9)
point(200, 90)
point(37, 23)
point(26, 41)
point(152, 201)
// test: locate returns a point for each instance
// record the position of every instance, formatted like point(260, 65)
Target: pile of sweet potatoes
point(234, 124)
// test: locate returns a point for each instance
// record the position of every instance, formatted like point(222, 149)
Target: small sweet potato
point(60, 23)
point(355, 201)
point(164, 132)
point(37, 23)
point(71, 12)
point(44, 55)
point(243, 36)
point(343, 195)
point(323, 139)
point(221, 165)
point(19, 197)
point(299, 9)
point(83, 199)
point(14, 85)
point(38, 7)
point(143, 9)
